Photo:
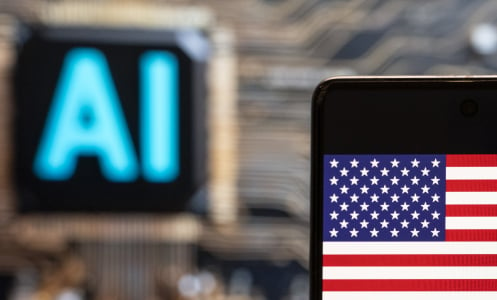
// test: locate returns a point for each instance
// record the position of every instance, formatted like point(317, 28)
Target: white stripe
point(470, 173)
point(409, 248)
point(409, 295)
point(455, 198)
point(409, 272)
point(471, 223)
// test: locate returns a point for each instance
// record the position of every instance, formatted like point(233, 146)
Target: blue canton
point(384, 198)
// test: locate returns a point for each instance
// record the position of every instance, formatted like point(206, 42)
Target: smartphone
point(404, 188)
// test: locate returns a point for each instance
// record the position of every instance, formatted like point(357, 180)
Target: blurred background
point(243, 231)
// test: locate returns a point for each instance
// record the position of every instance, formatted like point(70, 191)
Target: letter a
point(85, 119)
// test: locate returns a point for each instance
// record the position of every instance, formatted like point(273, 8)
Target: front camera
point(469, 108)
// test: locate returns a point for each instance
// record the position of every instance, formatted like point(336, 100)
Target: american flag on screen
point(410, 227)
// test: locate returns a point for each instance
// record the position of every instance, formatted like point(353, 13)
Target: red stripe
point(405, 260)
point(394, 285)
point(471, 210)
point(474, 160)
point(471, 186)
point(472, 235)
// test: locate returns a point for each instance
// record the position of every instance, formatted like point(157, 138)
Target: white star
point(374, 215)
point(354, 163)
point(415, 198)
point(384, 172)
point(384, 189)
point(344, 224)
point(435, 163)
point(395, 215)
point(353, 232)
point(354, 180)
point(364, 206)
point(425, 189)
point(374, 198)
point(415, 215)
point(334, 232)
point(395, 163)
point(405, 172)
point(344, 206)
point(374, 232)
point(425, 172)
point(344, 172)
point(434, 232)
point(334, 215)
point(395, 198)
point(364, 224)
point(334, 163)
point(384, 206)
point(435, 215)
point(425, 206)
point(415, 163)
point(415, 232)
point(394, 232)
point(435, 180)
point(333, 198)
point(405, 206)
point(405, 224)
point(354, 198)
point(354, 215)
point(395, 180)
point(405, 189)
point(384, 223)
point(425, 224)
point(374, 163)
point(415, 180)
point(364, 172)
point(364, 189)
point(333, 181)
point(344, 189)
point(435, 197)
point(374, 180)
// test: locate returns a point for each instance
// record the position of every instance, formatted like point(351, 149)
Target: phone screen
point(409, 223)
point(406, 194)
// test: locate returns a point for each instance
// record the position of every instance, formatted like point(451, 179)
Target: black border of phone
point(318, 97)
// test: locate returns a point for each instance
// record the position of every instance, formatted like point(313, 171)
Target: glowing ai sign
point(108, 122)
point(86, 118)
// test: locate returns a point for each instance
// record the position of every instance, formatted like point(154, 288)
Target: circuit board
point(282, 49)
